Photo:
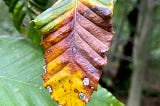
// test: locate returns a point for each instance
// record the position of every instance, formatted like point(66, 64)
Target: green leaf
point(22, 8)
point(114, 1)
point(20, 74)
point(23, 12)
point(20, 77)
point(103, 98)
point(33, 35)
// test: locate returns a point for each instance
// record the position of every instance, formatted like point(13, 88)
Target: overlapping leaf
point(76, 33)
point(25, 10)
point(20, 8)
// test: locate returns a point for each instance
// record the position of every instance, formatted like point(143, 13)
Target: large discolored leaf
point(76, 35)
point(20, 70)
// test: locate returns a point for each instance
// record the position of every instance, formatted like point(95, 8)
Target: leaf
point(20, 82)
point(104, 98)
point(20, 8)
point(33, 35)
point(20, 70)
point(76, 35)
point(25, 10)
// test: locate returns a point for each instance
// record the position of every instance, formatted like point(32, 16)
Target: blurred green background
point(6, 24)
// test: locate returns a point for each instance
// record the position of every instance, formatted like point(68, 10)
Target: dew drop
point(86, 100)
point(44, 68)
point(86, 81)
point(59, 105)
point(92, 87)
point(48, 51)
point(82, 96)
point(49, 89)
point(103, 50)
point(61, 33)
point(95, 59)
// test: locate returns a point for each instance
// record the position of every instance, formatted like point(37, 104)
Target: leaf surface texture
point(20, 69)
point(76, 35)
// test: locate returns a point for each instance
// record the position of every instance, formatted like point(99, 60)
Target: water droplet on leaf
point(48, 51)
point(95, 59)
point(86, 100)
point(44, 67)
point(49, 89)
point(82, 96)
point(86, 81)
point(92, 87)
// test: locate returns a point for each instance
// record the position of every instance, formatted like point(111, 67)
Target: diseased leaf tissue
point(76, 35)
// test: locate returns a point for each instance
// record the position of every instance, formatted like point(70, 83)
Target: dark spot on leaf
point(75, 90)
point(70, 81)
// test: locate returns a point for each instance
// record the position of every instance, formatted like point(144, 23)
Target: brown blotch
point(56, 100)
point(62, 86)
point(65, 90)
point(70, 81)
point(76, 90)
point(45, 77)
